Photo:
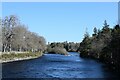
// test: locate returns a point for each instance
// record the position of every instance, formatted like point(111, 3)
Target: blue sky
point(67, 21)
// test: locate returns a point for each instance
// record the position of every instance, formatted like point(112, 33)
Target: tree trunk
point(10, 48)
point(20, 49)
point(4, 47)
point(32, 49)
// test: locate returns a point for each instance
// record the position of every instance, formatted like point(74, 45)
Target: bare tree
point(16, 37)
point(8, 24)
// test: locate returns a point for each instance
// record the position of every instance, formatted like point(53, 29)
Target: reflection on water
point(56, 66)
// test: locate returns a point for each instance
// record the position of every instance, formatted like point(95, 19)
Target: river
point(56, 66)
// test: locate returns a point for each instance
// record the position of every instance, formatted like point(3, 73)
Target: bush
point(58, 50)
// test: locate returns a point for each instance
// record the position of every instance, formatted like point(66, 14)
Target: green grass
point(12, 56)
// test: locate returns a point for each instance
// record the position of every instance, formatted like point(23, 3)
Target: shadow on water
point(57, 66)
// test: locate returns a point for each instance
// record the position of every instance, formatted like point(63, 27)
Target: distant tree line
point(104, 45)
point(17, 37)
point(69, 46)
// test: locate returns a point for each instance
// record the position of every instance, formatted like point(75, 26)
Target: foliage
point(103, 45)
point(57, 50)
point(17, 37)
point(69, 46)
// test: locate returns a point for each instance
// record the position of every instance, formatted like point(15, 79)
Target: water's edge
point(17, 59)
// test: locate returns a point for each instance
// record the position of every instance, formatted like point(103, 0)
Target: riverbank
point(19, 56)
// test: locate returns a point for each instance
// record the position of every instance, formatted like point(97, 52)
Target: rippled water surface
point(56, 66)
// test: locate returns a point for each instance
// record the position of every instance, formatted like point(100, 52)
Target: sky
point(62, 21)
point(119, 12)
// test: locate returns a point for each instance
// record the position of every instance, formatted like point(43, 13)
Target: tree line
point(17, 37)
point(63, 46)
point(104, 45)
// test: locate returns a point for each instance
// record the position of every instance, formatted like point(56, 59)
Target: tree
point(95, 31)
point(114, 47)
point(85, 45)
point(16, 37)
point(106, 26)
point(19, 37)
point(104, 46)
point(69, 46)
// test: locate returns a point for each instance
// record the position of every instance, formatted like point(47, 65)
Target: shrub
point(58, 50)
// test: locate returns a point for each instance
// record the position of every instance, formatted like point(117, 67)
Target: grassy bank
point(19, 56)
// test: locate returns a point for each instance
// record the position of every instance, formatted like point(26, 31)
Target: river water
point(56, 66)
